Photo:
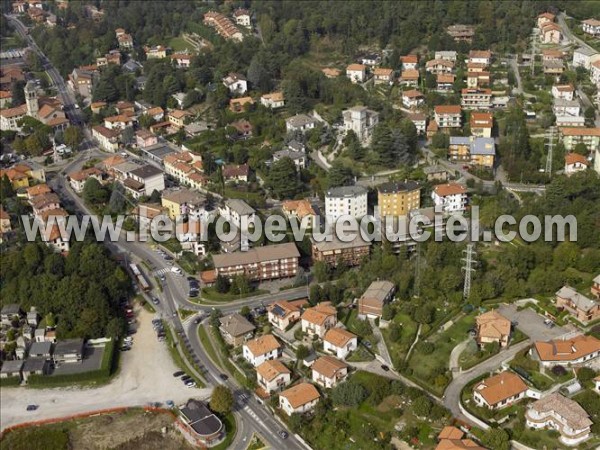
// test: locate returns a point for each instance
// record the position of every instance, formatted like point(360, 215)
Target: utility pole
point(468, 269)
point(533, 51)
point(550, 145)
point(417, 291)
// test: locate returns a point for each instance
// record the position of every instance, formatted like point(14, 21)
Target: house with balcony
point(273, 376)
point(236, 329)
point(357, 73)
point(282, 314)
point(574, 162)
point(448, 116)
point(476, 98)
point(328, 371)
point(263, 348)
point(492, 327)
point(299, 399)
point(339, 342)
point(579, 350)
point(578, 305)
point(318, 319)
point(450, 197)
point(571, 136)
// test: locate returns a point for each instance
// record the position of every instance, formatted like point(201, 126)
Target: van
point(176, 270)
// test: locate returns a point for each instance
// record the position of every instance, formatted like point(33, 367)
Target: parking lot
point(92, 360)
point(531, 323)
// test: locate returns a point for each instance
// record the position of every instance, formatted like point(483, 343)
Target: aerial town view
point(300, 224)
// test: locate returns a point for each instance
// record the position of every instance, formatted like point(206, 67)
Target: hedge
point(10, 381)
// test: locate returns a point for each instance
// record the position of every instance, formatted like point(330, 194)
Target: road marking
point(162, 271)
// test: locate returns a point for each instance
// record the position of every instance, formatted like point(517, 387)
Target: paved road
point(569, 34)
point(452, 394)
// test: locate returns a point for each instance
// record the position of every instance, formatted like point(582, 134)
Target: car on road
point(223, 377)
point(192, 279)
point(170, 404)
point(384, 367)
point(197, 320)
point(155, 300)
point(162, 277)
point(283, 434)
point(32, 407)
point(179, 373)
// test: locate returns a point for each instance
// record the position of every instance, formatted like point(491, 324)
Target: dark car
point(190, 279)
point(179, 373)
point(283, 434)
point(32, 407)
point(193, 294)
point(168, 258)
point(384, 367)
point(223, 377)
point(197, 320)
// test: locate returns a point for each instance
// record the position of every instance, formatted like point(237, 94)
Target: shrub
point(559, 371)
point(426, 348)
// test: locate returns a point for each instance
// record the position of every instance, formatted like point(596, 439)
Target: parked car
point(170, 403)
point(178, 373)
point(32, 407)
point(155, 300)
point(223, 377)
point(384, 367)
point(190, 384)
point(283, 434)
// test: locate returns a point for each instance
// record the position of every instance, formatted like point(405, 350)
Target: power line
point(468, 269)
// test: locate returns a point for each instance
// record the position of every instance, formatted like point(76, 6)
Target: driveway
point(531, 323)
point(146, 375)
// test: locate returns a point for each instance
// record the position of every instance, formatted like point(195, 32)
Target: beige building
point(379, 293)
point(299, 399)
point(500, 391)
point(282, 314)
point(318, 319)
point(236, 329)
point(398, 198)
point(328, 371)
point(273, 376)
point(492, 327)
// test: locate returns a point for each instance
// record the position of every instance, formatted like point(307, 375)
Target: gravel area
point(145, 375)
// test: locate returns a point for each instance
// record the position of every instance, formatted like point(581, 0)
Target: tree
point(18, 92)
point(395, 332)
point(191, 98)
point(388, 312)
point(283, 179)
point(245, 311)
point(221, 400)
point(585, 374)
point(128, 136)
point(349, 394)
point(422, 406)
point(222, 284)
point(257, 74)
point(339, 175)
point(581, 149)
point(321, 272)
point(302, 352)
point(440, 140)
point(496, 438)
point(94, 193)
point(240, 285)
point(6, 189)
point(72, 137)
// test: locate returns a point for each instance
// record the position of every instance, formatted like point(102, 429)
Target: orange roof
point(547, 15)
point(208, 276)
point(356, 67)
point(177, 114)
point(410, 74)
point(84, 174)
point(274, 96)
point(480, 54)
point(13, 174)
point(481, 120)
point(570, 350)
point(450, 433)
point(553, 53)
point(458, 444)
point(318, 314)
point(301, 208)
point(55, 212)
point(444, 190)
point(287, 307)
point(413, 93)
point(448, 109)
point(118, 118)
point(564, 87)
point(269, 370)
point(432, 126)
point(5, 94)
point(38, 189)
point(338, 337)
point(410, 59)
point(328, 366)
point(14, 112)
point(572, 158)
point(112, 161)
point(263, 344)
point(383, 72)
point(3, 214)
point(492, 324)
point(500, 387)
point(240, 101)
point(155, 111)
point(301, 394)
point(445, 78)
point(574, 131)
point(331, 72)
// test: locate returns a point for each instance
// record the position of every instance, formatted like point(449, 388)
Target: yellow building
point(180, 202)
point(397, 198)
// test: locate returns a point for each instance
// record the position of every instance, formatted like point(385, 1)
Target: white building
point(318, 319)
point(566, 107)
point(345, 201)
point(412, 98)
point(595, 72)
point(451, 197)
point(361, 120)
point(300, 122)
point(584, 57)
point(574, 163)
point(419, 120)
point(357, 73)
point(578, 350)
point(242, 17)
point(597, 161)
point(328, 371)
point(264, 348)
point(449, 55)
point(107, 139)
point(236, 83)
point(480, 57)
point(273, 100)
point(236, 211)
point(144, 180)
point(299, 399)
point(563, 91)
point(591, 26)
point(273, 376)
point(339, 342)
point(300, 159)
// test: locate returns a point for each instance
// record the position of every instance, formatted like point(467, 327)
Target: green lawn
point(231, 429)
point(207, 345)
point(256, 443)
point(178, 44)
point(213, 296)
point(360, 354)
point(408, 328)
point(177, 359)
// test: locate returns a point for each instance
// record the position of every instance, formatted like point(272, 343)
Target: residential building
point(273, 376)
point(273, 100)
point(591, 26)
point(595, 72)
point(574, 162)
point(82, 81)
point(145, 138)
point(545, 18)
point(22, 176)
point(182, 60)
point(34, 366)
point(357, 73)
point(461, 33)
point(236, 329)
point(480, 57)
point(237, 212)
point(11, 117)
point(563, 91)
point(377, 295)
point(177, 118)
point(491, 327)
point(242, 17)
point(451, 438)
point(371, 59)
point(481, 124)
point(331, 72)
point(436, 173)
point(299, 209)
point(144, 180)
point(409, 62)
point(300, 122)
point(5, 98)
point(550, 33)
point(243, 129)
point(223, 26)
point(262, 263)
point(156, 52)
point(578, 350)
point(4, 223)
point(184, 203)
point(9, 313)
point(328, 371)
point(585, 57)
point(335, 251)
point(318, 319)
point(186, 168)
point(551, 54)
point(345, 201)
point(396, 198)
point(578, 305)
point(448, 116)
point(597, 161)
point(236, 172)
point(200, 425)
point(445, 82)
point(409, 78)
point(236, 83)
point(68, 351)
point(118, 122)
point(258, 350)
point(299, 399)
point(553, 67)
point(420, 122)
point(282, 314)
point(11, 369)
point(438, 66)
point(339, 342)
point(500, 391)
point(477, 79)
point(476, 98)
point(241, 104)
point(450, 197)
point(300, 159)
point(561, 414)
point(361, 120)
point(77, 179)
point(563, 107)
point(383, 75)
point(412, 98)
point(475, 150)
point(448, 55)
point(570, 121)
point(595, 289)
point(588, 136)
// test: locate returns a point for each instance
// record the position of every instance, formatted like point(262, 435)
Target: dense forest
point(82, 290)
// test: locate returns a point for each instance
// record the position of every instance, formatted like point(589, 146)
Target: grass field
point(178, 44)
